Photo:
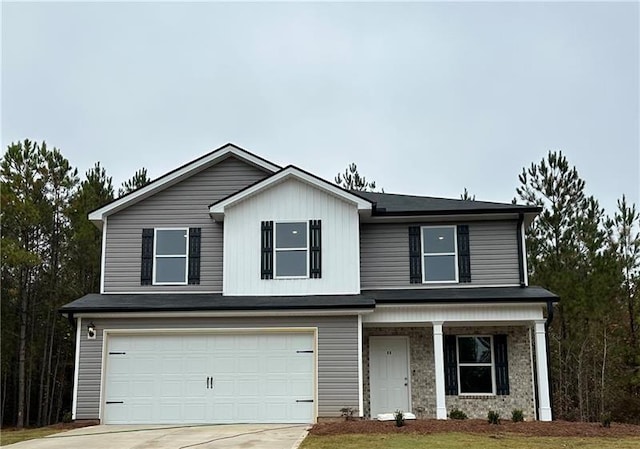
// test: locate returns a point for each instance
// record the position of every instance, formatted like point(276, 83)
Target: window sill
point(477, 395)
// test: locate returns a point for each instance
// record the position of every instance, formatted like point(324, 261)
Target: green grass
point(464, 440)
point(10, 436)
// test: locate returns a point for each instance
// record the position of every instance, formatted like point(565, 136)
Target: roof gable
point(179, 174)
point(217, 209)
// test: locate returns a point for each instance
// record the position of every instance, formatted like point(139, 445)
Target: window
point(291, 245)
point(439, 254)
point(170, 253)
point(475, 365)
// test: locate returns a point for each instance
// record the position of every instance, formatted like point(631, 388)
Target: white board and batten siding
point(183, 205)
point(384, 257)
point(291, 200)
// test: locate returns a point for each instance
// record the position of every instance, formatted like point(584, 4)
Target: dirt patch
point(427, 426)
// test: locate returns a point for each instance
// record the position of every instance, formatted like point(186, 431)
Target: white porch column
point(438, 356)
point(544, 403)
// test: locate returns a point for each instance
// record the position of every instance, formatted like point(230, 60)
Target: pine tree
point(351, 180)
point(139, 179)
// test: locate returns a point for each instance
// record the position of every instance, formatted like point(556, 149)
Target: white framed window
point(291, 250)
point(170, 256)
point(439, 254)
point(476, 366)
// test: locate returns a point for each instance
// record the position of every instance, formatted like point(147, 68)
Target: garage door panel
point(165, 378)
point(142, 387)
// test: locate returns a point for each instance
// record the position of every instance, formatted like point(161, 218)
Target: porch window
point(475, 365)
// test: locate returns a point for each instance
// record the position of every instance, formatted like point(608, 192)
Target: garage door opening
point(199, 378)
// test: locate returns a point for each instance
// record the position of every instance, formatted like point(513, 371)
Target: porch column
point(544, 404)
point(438, 356)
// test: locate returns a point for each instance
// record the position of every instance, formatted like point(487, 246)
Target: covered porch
point(429, 359)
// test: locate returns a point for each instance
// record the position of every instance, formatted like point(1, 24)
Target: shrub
point(347, 413)
point(493, 417)
point(517, 415)
point(399, 417)
point(66, 417)
point(605, 419)
point(457, 414)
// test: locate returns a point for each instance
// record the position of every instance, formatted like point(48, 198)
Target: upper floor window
point(292, 246)
point(439, 254)
point(297, 246)
point(475, 365)
point(170, 255)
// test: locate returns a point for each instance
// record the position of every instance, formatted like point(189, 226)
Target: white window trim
point(454, 253)
point(492, 365)
point(276, 249)
point(163, 256)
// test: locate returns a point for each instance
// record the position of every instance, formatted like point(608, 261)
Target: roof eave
point(217, 209)
point(97, 216)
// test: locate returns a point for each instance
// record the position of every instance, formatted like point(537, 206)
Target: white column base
point(544, 413)
point(438, 356)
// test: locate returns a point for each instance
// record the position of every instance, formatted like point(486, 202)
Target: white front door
point(389, 374)
point(210, 378)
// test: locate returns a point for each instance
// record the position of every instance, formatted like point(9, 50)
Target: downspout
point(520, 250)
point(72, 321)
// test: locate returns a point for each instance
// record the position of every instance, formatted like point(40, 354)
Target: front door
point(389, 374)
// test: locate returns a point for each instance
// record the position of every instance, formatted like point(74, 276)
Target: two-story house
point(237, 291)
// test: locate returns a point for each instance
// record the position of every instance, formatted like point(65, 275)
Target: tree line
point(51, 256)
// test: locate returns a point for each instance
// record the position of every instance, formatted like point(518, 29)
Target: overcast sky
point(427, 98)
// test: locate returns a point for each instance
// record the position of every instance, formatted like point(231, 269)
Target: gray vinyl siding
point(384, 254)
point(337, 355)
point(185, 204)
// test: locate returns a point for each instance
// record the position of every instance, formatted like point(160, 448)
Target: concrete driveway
point(246, 436)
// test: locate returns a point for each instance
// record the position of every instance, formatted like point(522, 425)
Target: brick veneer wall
point(423, 396)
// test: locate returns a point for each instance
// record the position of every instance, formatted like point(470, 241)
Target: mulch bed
point(477, 426)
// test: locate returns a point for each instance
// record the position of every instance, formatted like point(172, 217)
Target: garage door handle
point(304, 400)
point(208, 380)
point(115, 402)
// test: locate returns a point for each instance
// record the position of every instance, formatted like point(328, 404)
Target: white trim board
point(76, 370)
point(212, 314)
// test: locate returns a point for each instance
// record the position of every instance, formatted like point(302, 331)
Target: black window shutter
point(194, 256)
point(266, 256)
point(502, 364)
point(146, 263)
point(450, 366)
point(315, 246)
point(415, 254)
point(464, 257)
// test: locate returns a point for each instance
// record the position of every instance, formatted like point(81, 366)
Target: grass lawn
point(464, 440)
point(10, 436)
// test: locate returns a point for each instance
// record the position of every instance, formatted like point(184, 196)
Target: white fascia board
point(216, 314)
point(171, 178)
point(217, 210)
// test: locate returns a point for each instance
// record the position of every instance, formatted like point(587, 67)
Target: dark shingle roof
point(394, 204)
point(185, 302)
point(461, 295)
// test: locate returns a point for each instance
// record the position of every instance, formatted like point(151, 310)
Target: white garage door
point(209, 378)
